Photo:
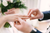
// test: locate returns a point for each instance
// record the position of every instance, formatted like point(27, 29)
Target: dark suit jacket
point(46, 16)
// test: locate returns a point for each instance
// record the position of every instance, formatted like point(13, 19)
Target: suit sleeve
point(46, 15)
point(36, 31)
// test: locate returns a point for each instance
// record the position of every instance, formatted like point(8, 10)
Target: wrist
point(6, 18)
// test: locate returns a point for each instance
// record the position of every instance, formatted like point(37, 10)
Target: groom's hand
point(23, 26)
point(37, 14)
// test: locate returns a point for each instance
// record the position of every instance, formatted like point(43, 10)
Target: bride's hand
point(14, 17)
point(10, 11)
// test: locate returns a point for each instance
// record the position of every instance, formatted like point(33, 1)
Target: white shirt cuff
point(34, 29)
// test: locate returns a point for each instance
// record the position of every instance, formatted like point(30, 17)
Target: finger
point(6, 13)
point(24, 17)
point(11, 12)
point(29, 11)
point(20, 20)
point(16, 19)
point(31, 18)
point(33, 12)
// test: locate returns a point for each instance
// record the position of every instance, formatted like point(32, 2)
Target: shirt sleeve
point(46, 15)
point(37, 31)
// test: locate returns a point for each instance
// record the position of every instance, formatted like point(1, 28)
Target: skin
point(10, 11)
point(15, 11)
point(11, 16)
point(6, 18)
point(23, 26)
point(37, 14)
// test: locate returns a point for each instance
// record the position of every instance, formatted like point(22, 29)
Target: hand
point(15, 17)
point(10, 11)
point(23, 26)
point(37, 14)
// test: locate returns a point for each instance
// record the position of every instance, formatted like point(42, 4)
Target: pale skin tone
point(10, 11)
point(11, 17)
point(24, 26)
point(36, 12)
point(13, 11)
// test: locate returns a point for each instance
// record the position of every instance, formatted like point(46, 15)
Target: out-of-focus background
point(42, 5)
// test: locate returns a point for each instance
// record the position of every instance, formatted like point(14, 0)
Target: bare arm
point(2, 21)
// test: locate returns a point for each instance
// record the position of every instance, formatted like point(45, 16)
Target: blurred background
point(42, 5)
